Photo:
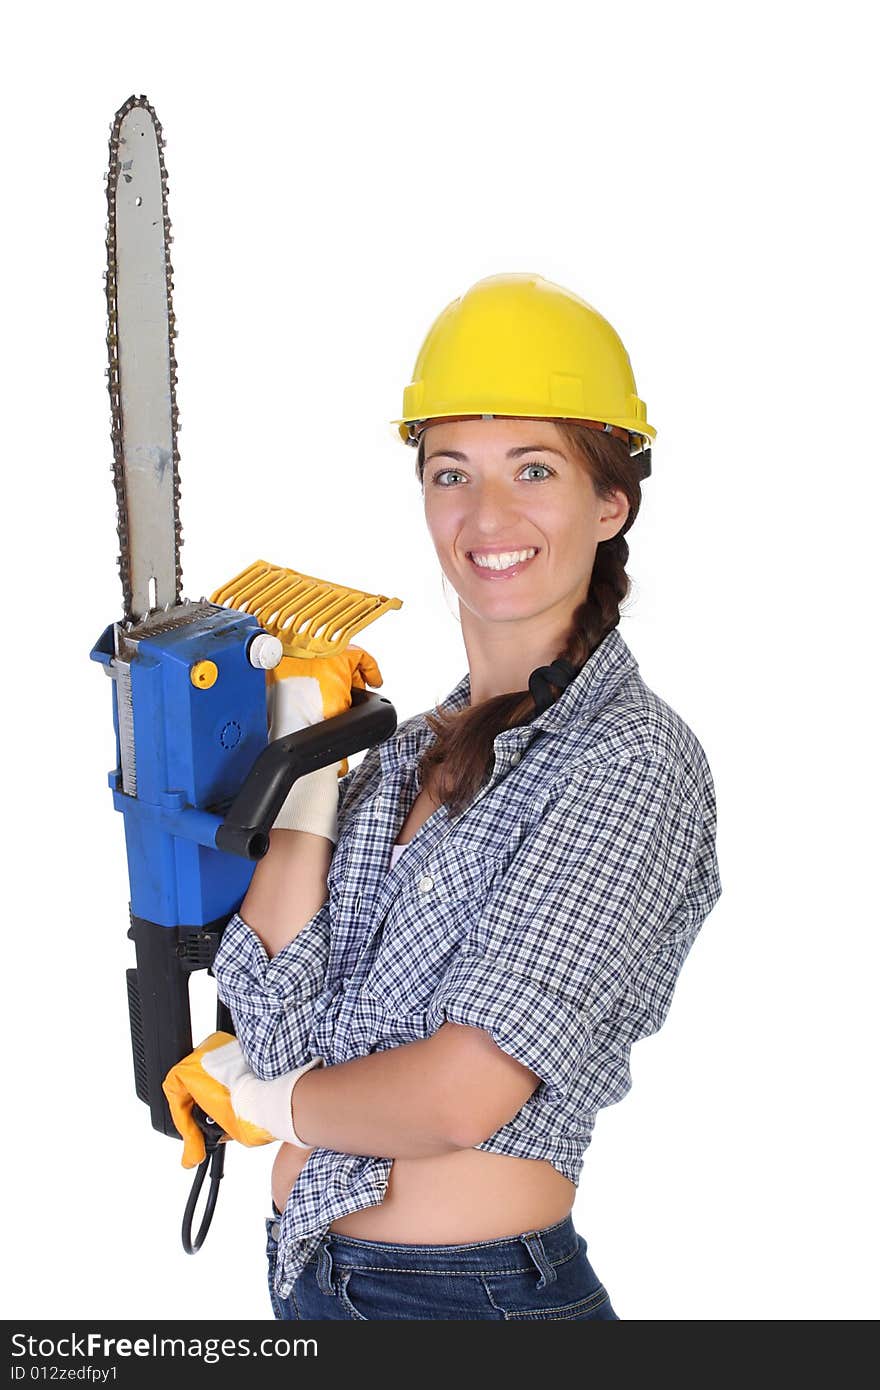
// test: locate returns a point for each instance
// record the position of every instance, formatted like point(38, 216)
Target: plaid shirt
point(555, 913)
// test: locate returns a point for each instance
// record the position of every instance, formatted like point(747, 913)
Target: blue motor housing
point(195, 734)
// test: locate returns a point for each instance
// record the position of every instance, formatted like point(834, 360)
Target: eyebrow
point(511, 453)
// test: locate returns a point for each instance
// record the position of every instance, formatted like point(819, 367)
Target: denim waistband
point(542, 1249)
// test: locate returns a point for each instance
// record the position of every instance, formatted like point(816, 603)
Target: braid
point(609, 586)
point(591, 622)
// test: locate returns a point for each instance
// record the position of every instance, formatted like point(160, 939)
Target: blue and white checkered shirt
point(555, 913)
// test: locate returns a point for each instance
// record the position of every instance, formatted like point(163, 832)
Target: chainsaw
point(197, 779)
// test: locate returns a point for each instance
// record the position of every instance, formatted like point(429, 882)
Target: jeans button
point(275, 1230)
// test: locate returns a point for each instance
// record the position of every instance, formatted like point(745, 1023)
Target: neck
point(502, 656)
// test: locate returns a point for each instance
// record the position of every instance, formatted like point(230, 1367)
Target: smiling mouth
point(492, 568)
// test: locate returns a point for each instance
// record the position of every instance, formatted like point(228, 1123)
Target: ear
point(614, 512)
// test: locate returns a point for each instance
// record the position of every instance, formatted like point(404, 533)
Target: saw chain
point(140, 316)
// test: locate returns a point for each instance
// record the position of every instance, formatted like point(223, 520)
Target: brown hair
point(460, 759)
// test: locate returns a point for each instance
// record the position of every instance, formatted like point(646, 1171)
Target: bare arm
point(449, 1091)
point(288, 886)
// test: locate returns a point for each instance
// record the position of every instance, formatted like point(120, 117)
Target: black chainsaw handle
point(245, 829)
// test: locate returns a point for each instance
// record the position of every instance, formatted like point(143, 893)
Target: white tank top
point(396, 852)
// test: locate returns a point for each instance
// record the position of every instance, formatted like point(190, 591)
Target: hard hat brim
point(620, 429)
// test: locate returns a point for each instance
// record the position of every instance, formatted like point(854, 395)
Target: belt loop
point(325, 1267)
point(535, 1246)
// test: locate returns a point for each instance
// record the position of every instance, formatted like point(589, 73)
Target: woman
point(517, 876)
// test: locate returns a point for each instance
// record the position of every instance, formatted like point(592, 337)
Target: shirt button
point(515, 757)
point(426, 884)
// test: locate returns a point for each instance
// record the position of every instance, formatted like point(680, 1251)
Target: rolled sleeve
point(589, 904)
point(543, 1032)
point(272, 1001)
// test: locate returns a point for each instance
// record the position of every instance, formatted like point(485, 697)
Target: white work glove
point(312, 803)
point(216, 1076)
point(302, 691)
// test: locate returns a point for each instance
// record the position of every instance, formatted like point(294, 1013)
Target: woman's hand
point(216, 1077)
point(303, 691)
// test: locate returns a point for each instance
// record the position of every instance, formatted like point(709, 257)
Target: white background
point(703, 176)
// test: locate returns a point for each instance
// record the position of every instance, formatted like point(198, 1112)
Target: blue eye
point(444, 472)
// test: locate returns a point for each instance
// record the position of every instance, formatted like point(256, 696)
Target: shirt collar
point(594, 684)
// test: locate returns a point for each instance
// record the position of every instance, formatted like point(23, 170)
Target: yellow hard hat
point(519, 346)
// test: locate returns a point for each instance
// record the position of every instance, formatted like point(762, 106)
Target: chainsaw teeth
point(122, 522)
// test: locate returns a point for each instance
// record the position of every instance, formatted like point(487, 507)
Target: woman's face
point(502, 486)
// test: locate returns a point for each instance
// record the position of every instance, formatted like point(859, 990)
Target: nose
point(494, 507)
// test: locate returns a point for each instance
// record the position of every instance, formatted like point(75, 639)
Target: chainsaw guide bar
point(142, 371)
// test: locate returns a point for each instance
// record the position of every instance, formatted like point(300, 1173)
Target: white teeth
point(503, 561)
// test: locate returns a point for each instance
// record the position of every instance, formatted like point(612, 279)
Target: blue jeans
point(536, 1275)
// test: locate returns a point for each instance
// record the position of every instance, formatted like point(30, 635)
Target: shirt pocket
point(431, 913)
